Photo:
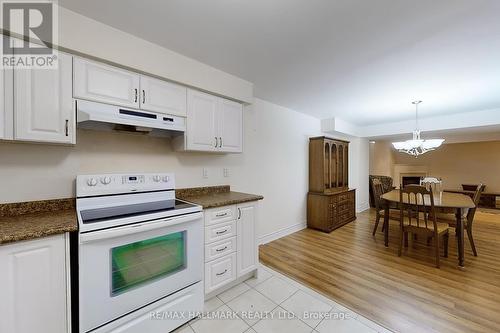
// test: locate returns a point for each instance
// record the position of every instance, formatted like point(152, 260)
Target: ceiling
point(471, 134)
point(360, 60)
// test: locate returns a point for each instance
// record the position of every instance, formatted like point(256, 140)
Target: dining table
point(444, 202)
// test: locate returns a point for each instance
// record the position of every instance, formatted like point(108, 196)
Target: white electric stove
point(140, 253)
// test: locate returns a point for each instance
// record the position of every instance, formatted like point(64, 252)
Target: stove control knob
point(91, 182)
point(156, 178)
point(166, 178)
point(106, 180)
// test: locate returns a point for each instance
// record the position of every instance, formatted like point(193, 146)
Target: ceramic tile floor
point(274, 303)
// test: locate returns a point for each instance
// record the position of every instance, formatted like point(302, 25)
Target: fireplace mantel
point(404, 170)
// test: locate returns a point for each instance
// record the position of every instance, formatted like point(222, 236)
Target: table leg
point(460, 237)
point(386, 223)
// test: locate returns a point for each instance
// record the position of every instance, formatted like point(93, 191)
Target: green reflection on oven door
point(142, 262)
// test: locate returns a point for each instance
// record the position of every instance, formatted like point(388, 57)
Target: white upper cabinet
point(202, 124)
point(43, 104)
point(34, 293)
point(2, 103)
point(230, 126)
point(213, 124)
point(246, 241)
point(6, 108)
point(102, 83)
point(162, 96)
point(107, 84)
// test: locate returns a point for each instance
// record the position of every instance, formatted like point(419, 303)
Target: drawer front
point(344, 208)
point(220, 231)
point(220, 272)
point(220, 249)
point(220, 214)
point(343, 197)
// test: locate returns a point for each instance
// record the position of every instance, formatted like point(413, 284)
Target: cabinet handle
point(221, 215)
point(239, 213)
point(220, 145)
point(66, 127)
point(222, 249)
point(135, 100)
point(216, 142)
point(221, 232)
point(222, 273)
point(143, 96)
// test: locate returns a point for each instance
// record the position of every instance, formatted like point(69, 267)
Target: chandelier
point(417, 146)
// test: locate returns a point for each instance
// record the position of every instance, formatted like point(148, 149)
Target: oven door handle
point(137, 228)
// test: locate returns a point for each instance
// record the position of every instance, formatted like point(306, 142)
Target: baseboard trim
point(362, 207)
point(282, 233)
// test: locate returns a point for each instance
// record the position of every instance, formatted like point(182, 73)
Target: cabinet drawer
point(220, 249)
point(220, 214)
point(220, 231)
point(220, 272)
point(343, 197)
point(344, 208)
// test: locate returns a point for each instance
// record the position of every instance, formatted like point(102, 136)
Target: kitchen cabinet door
point(230, 126)
point(162, 96)
point(246, 240)
point(6, 108)
point(43, 105)
point(33, 297)
point(3, 109)
point(202, 121)
point(102, 83)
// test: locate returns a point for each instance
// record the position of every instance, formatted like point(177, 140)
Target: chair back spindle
point(475, 199)
point(412, 200)
point(378, 191)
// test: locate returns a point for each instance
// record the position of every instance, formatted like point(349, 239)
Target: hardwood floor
point(404, 294)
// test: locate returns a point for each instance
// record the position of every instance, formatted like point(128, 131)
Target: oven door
point(125, 268)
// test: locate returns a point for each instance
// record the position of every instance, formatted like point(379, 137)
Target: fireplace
point(410, 180)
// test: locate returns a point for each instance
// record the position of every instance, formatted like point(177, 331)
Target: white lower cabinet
point(220, 272)
point(246, 243)
point(35, 286)
point(230, 245)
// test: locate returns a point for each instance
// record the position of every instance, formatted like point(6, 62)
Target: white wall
point(274, 163)
point(381, 158)
point(359, 167)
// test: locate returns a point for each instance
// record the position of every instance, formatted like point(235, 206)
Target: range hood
point(100, 116)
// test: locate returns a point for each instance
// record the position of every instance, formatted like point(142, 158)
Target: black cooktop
point(130, 210)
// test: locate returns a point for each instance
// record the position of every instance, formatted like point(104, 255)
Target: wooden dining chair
point(378, 191)
point(418, 218)
point(467, 219)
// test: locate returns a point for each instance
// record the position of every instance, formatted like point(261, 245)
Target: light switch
point(205, 173)
point(226, 172)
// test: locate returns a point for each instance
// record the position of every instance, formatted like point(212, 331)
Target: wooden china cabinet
point(330, 202)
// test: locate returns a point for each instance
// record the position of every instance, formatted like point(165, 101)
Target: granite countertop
point(35, 219)
point(215, 196)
